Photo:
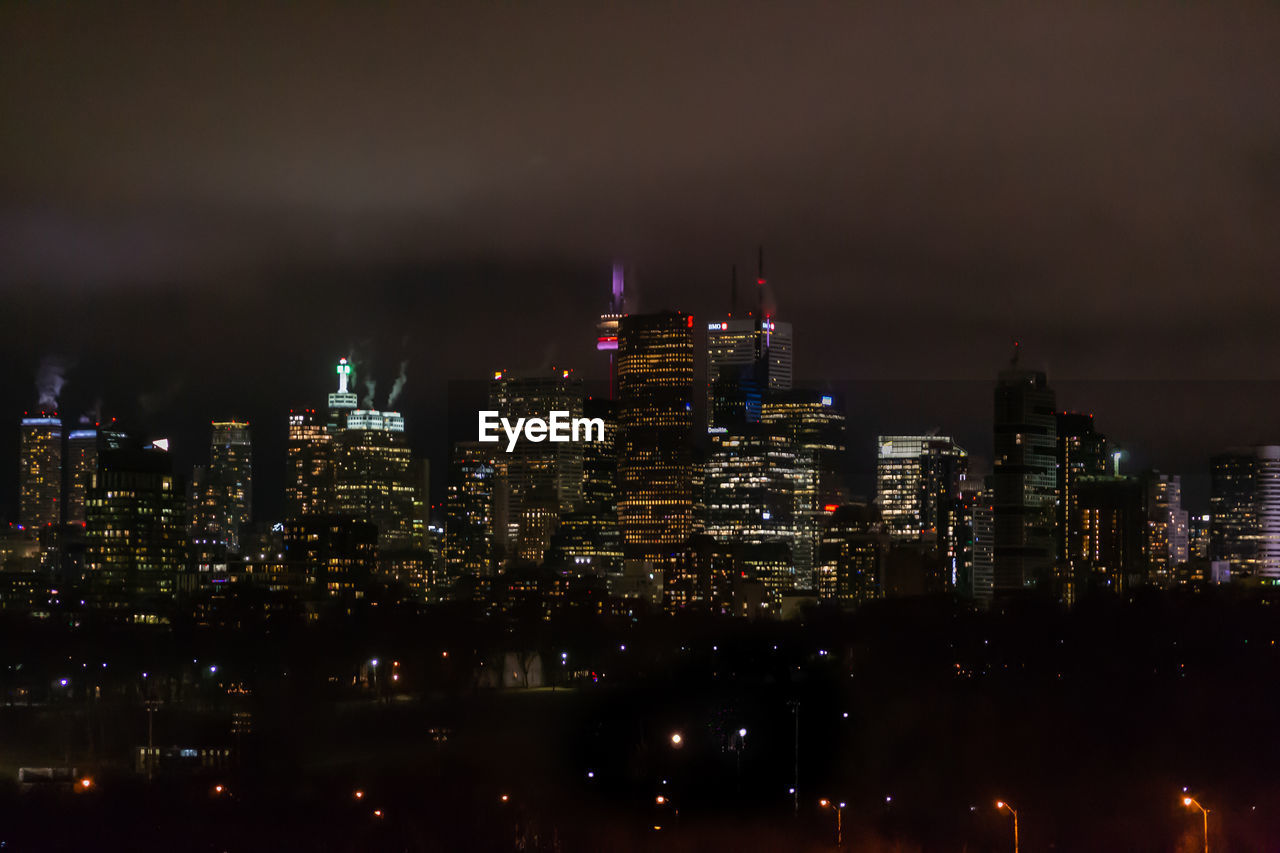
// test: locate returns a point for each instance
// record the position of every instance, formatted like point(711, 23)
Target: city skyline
point(924, 356)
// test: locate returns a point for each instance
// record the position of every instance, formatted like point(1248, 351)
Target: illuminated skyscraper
point(751, 480)
point(918, 479)
point(1167, 525)
point(918, 489)
point(1081, 451)
point(311, 453)
point(1113, 531)
point(587, 539)
point(815, 425)
point(754, 343)
point(469, 510)
point(655, 422)
point(84, 446)
point(374, 477)
point(309, 484)
point(40, 471)
point(541, 480)
point(135, 533)
point(1024, 479)
point(852, 556)
point(222, 492)
point(1245, 507)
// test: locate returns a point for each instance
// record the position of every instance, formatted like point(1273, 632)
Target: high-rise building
point(1081, 451)
point(469, 511)
point(1167, 526)
point(1024, 479)
point(309, 480)
point(918, 479)
point(135, 533)
point(1244, 503)
point(1113, 531)
point(311, 468)
point(222, 492)
point(815, 424)
point(975, 568)
point(655, 422)
point(374, 478)
point(1199, 539)
point(918, 483)
point(84, 447)
point(541, 480)
point(754, 342)
point(588, 539)
point(751, 479)
point(851, 558)
point(40, 470)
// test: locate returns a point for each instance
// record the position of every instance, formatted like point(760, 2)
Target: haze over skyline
point(205, 206)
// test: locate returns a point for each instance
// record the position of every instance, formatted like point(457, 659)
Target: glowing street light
point(839, 810)
point(677, 740)
point(1190, 801)
point(1001, 804)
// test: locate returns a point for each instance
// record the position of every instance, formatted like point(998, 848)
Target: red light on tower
point(690, 321)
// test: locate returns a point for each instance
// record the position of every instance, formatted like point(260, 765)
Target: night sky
point(201, 208)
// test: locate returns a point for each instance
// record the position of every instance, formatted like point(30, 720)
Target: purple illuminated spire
point(617, 287)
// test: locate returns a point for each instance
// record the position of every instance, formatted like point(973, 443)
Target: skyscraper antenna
point(733, 290)
point(1013, 362)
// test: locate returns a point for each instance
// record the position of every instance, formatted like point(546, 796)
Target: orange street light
point(1190, 801)
point(839, 810)
point(1001, 804)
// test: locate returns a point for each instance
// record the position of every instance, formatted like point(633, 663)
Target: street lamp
point(1001, 804)
point(839, 810)
point(677, 740)
point(1190, 801)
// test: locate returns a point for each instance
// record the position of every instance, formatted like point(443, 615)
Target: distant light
point(677, 739)
point(359, 795)
point(742, 732)
point(374, 662)
point(86, 783)
point(505, 798)
point(827, 401)
point(63, 682)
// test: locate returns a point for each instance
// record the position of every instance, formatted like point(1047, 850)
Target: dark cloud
point(261, 187)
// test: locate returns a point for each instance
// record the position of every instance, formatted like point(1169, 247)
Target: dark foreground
point(1090, 723)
